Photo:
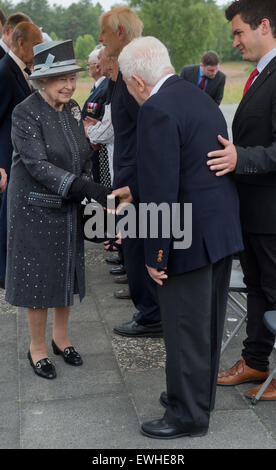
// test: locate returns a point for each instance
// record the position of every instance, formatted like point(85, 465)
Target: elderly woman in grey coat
point(50, 176)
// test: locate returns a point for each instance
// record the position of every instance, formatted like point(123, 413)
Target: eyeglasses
point(91, 63)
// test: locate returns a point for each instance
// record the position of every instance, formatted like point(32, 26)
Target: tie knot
point(250, 80)
point(254, 74)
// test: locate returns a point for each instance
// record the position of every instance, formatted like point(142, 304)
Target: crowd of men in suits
point(171, 145)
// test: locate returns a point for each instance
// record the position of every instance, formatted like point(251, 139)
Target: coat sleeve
point(259, 159)
point(158, 162)
point(29, 144)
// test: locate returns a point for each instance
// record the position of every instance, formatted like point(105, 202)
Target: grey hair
point(146, 57)
point(94, 55)
point(38, 83)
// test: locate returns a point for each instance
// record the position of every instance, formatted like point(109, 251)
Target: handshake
point(122, 197)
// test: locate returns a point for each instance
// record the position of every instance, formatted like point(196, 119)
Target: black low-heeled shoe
point(44, 368)
point(70, 355)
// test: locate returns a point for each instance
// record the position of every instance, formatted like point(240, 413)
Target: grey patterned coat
point(45, 259)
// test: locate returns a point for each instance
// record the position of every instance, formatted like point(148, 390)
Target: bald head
point(24, 37)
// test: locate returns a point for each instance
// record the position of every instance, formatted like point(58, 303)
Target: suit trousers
point(143, 290)
point(193, 307)
point(258, 261)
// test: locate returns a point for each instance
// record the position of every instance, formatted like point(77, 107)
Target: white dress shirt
point(160, 83)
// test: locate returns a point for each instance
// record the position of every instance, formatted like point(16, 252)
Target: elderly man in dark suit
point(14, 88)
point(253, 158)
point(118, 27)
point(8, 27)
point(207, 75)
point(192, 275)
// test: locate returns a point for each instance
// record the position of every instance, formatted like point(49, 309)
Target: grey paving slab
point(99, 374)
point(10, 423)
point(103, 422)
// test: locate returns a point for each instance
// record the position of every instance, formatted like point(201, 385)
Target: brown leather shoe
point(241, 373)
point(268, 394)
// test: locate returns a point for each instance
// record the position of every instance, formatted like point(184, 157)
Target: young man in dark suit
point(207, 75)
point(193, 278)
point(14, 88)
point(252, 157)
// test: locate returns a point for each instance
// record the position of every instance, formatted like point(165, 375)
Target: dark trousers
point(258, 261)
point(143, 289)
point(193, 307)
point(3, 235)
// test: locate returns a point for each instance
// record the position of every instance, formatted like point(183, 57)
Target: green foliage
point(186, 27)
point(84, 45)
point(78, 19)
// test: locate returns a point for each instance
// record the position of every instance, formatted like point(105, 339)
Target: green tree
point(84, 45)
point(186, 27)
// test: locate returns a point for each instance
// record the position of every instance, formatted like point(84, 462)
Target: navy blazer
point(13, 89)
point(173, 141)
point(214, 87)
point(124, 114)
point(94, 105)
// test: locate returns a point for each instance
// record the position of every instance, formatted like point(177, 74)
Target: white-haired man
point(173, 141)
point(118, 27)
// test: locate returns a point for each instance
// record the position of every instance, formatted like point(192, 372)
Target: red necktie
point(250, 80)
point(202, 82)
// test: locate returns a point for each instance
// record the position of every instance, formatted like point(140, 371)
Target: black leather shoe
point(44, 368)
point(120, 269)
point(133, 329)
point(164, 399)
point(2, 284)
point(122, 294)
point(161, 429)
point(114, 259)
point(70, 355)
point(121, 279)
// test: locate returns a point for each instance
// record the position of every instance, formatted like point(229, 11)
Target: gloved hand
point(84, 187)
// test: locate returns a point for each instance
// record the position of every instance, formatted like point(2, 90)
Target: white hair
point(146, 57)
point(94, 55)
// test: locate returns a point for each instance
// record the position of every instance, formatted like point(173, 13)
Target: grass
point(236, 76)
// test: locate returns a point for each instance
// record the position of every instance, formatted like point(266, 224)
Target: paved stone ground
point(102, 404)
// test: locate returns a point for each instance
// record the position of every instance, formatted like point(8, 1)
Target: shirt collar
point(4, 45)
point(160, 83)
point(98, 82)
point(266, 59)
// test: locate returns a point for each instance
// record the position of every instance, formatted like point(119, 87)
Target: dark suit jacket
point(2, 52)
point(13, 90)
point(173, 142)
point(94, 105)
point(124, 113)
point(254, 134)
point(214, 87)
